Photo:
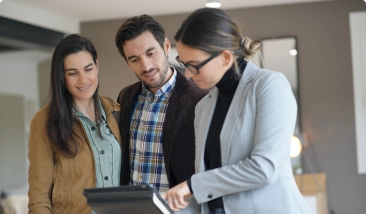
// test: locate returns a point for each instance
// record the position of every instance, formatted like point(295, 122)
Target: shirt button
point(92, 128)
point(209, 196)
point(102, 152)
point(106, 178)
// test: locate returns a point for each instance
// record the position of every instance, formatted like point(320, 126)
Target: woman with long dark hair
point(75, 140)
point(243, 127)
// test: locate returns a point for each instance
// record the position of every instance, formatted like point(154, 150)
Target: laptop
point(126, 199)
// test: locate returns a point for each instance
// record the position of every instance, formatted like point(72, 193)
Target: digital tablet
point(126, 199)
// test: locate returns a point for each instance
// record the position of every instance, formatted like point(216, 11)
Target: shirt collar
point(102, 112)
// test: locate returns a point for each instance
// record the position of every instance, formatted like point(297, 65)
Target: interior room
point(328, 74)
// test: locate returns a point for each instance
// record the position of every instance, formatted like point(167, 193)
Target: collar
point(102, 112)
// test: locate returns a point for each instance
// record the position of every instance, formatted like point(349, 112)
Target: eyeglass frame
point(197, 67)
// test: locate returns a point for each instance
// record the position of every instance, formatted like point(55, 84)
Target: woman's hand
point(175, 196)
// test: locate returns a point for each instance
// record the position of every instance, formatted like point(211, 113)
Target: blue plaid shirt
point(146, 132)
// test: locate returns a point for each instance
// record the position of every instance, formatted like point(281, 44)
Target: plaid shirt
point(146, 132)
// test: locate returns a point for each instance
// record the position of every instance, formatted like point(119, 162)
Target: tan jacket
point(56, 183)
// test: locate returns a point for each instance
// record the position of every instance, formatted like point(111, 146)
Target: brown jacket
point(56, 183)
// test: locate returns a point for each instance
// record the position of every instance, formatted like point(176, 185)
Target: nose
point(187, 73)
point(82, 77)
point(145, 64)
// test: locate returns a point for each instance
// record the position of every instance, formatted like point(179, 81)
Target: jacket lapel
point(235, 108)
point(176, 102)
point(207, 110)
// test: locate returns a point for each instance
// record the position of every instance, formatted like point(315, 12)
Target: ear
point(227, 58)
point(97, 65)
point(167, 46)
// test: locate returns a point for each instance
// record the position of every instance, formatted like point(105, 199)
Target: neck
point(86, 107)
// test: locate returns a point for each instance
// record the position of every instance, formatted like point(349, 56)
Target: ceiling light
point(213, 3)
point(296, 147)
point(293, 52)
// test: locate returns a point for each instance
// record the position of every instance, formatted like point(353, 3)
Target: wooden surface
point(314, 185)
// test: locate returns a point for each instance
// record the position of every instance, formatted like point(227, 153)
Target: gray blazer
point(256, 175)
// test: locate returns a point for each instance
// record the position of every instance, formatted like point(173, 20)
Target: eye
point(133, 60)
point(71, 73)
point(89, 69)
point(151, 53)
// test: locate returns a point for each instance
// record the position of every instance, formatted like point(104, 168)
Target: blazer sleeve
point(40, 172)
point(275, 116)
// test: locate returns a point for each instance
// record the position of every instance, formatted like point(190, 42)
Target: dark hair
point(60, 115)
point(134, 27)
point(212, 30)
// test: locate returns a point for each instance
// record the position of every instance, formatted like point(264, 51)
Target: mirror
point(280, 54)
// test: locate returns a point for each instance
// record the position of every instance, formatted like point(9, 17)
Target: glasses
point(194, 68)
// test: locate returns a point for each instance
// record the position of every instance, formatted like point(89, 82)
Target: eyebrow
point(149, 49)
point(192, 61)
point(73, 69)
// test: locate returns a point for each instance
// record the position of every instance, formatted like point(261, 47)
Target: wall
point(29, 14)
point(325, 72)
point(13, 151)
point(44, 75)
point(19, 102)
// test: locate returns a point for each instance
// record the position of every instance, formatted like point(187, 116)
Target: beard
point(158, 83)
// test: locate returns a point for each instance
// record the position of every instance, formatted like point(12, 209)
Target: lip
point(151, 74)
point(84, 88)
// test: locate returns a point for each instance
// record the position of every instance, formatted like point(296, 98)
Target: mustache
point(149, 71)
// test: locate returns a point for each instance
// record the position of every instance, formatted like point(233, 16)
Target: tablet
point(126, 199)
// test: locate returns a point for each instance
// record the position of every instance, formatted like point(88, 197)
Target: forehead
point(81, 58)
point(187, 53)
point(140, 44)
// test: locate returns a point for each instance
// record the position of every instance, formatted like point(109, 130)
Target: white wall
point(18, 78)
point(39, 17)
point(358, 45)
point(19, 74)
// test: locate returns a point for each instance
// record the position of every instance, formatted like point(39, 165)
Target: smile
point(84, 88)
point(151, 73)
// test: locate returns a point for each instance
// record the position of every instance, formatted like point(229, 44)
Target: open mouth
point(150, 74)
point(84, 88)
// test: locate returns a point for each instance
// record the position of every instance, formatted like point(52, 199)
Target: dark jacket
point(178, 131)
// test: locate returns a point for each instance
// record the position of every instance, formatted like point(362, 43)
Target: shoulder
point(128, 89)
point(131, 87)
point(41, 115)
point(271, 79)
point(190, 88)
point(109, 104)
point(260, 78)
point(38, 124)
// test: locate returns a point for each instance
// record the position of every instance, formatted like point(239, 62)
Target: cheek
point(67, 82)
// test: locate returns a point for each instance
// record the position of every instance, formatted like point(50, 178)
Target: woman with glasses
point(243, 126)
point(74, 142)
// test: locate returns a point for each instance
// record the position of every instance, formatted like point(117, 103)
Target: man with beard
point(157, 113)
